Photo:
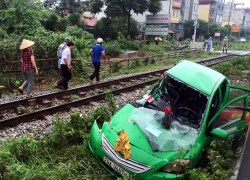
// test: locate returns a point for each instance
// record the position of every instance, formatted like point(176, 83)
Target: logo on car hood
point(122, 145)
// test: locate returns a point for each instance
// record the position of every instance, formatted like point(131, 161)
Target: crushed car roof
point(198, 76)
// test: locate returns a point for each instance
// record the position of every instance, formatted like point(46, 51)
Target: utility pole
point(170, 16)
point(195, 27)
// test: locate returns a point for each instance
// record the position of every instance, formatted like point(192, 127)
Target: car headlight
point(179, 166)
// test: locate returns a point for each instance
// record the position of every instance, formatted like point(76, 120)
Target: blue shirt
point(97, 52)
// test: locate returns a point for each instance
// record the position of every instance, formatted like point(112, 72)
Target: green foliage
point(52, 22)
point(112, 27)
point(80, 43)
point(63, 5)
point(20, 16)
point(152, 60)
point(61, 154)
point(236, 67)
point(127, 44)
point(79, 33)
point(112, 49)
point(154, 49)
point(62, 24)
point(134, 63)
point(205, 29)
point(218, 162)
point(112, 107)
point(146, 61)
point(23, 148)
point(117, 8)
point(74, 20)
point(116, 67)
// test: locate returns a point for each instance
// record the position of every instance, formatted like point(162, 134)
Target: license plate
point(115, 167)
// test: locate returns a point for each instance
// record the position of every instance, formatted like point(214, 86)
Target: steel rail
point(39, 98)
point(50, 110)
point(54, 109)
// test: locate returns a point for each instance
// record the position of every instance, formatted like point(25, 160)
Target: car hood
point(137, 137)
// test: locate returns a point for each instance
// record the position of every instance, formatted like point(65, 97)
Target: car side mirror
point(220, 133)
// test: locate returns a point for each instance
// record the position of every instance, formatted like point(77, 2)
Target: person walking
point(97, 52)
point(224, 45)
point(66, 68)
point(209, 44)
point(60, 50)
point(28, 66)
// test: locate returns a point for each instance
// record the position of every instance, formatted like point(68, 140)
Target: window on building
point(195, 7)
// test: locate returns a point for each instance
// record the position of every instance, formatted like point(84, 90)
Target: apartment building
point(193, 12)
point(166, 9)
point(246, 20)
point(233, 14)
point(211, 10)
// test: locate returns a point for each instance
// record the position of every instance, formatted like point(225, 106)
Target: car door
point(232, 116)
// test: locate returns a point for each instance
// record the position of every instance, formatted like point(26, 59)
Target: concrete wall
point(203, 12)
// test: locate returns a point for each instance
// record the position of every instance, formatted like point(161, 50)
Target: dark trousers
point(224, 48)
point(96, 73)
point(65, 77)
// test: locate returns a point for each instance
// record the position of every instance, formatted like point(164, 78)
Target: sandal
point(20, 90)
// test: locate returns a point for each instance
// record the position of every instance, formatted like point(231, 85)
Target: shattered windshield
point(170, 114)
point(151, 122)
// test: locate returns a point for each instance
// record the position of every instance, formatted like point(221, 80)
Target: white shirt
point(66, 54)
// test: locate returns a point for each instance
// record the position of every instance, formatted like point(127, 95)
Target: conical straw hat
point(26, 43)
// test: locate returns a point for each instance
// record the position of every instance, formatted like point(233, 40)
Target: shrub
point(145, 61)
point(23, 148)
point(62, 24)
point(112, 49)
point(50, 21)
point(116, 67)
point(74, 19)
point(217, 162)
point(75, 31)
point(134, 63)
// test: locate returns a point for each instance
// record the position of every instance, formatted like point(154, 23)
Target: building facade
point(246, 20)
point(166, 9)
point(211, 11)
point(233, 14)
point(193, 11)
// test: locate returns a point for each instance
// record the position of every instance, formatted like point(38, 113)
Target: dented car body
point(170, 127)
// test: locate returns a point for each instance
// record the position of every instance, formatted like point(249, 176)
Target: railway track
point(25, 110)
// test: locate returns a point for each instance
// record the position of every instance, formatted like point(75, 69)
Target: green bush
point(218, 162)
point(116, 67)
point(77, 32)
point(112, 49)
point(23, 148)
point(146, 61)
point(62, 24)
point(50, 21)
point(134, 63)
point(152, 60)
point(127, 44)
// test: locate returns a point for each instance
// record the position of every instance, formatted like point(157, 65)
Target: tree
point(20, 15)
point(124, 8)
point(64, 6)
point(111, 28)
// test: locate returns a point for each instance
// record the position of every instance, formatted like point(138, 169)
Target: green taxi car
point(170, 127)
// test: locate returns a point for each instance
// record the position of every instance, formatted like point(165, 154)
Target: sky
point(246, 2)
